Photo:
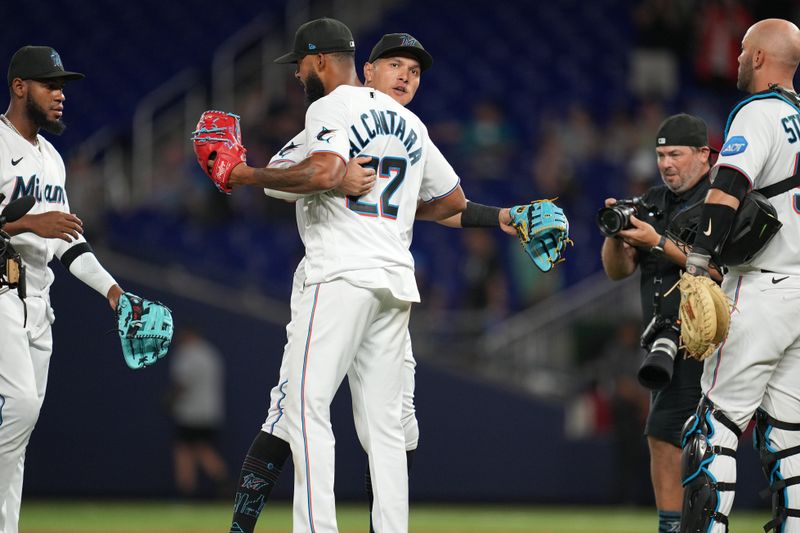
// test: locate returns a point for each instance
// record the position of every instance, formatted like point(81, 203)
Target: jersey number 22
point(384, 169)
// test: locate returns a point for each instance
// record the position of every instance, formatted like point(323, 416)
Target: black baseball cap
point(401, 42)
point(683, 130)
point(320, 36)
point(38, 63)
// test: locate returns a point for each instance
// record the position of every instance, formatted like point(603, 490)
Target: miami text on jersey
point(53, 194)
point(382, 122)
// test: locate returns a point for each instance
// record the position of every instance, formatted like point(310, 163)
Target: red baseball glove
point(217, 143)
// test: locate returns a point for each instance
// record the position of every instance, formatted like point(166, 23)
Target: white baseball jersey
point(26, 336)
point(763, 143)
point(339, 244)
point(291, 154)
point(756, 366)
point(357, 251)
point(39, 171)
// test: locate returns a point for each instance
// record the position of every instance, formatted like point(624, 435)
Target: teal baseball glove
point(145, 329)
point(543, 231)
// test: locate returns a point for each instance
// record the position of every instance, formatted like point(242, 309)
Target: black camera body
point(661, 339)
point(615, 218)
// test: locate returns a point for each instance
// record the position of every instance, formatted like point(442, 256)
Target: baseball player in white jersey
point(352, 313)
point(29, 165)
point(756, 369)
point(403, 60)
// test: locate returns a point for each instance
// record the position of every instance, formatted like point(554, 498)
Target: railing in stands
point(536, 351)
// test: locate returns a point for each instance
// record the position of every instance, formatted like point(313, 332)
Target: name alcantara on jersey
point(383, 122)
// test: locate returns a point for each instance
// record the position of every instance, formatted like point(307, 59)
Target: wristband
point(480, 216)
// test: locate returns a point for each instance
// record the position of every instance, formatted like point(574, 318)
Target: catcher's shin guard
point(775, 441)
point(708, 468)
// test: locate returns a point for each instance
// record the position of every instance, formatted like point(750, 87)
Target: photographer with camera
point(636, 236)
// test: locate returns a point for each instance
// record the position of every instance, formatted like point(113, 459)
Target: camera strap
point(658, 281)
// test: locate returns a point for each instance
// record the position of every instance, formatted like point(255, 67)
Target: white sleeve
point(282, 195)
point(80, 260)
point(438, 178)
point(748, 142)
point(292, 153)
point(326, 126)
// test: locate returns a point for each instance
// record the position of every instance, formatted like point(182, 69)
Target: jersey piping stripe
point(329, 152)
point(448, 193)
point(739, 170)
point(303, 412)
point(746, 101)
point(719, 354)
point(278, 404)
point(279, 161)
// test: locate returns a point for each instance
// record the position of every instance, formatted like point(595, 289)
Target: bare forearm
point(451, 222)
point(443, 208)
point(618, 261)
point(307, 176)
point(445, 213)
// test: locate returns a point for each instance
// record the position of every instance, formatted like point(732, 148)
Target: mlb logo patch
point(734, 145)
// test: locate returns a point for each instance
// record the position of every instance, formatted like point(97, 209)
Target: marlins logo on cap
point(56, 59)
point(409, 40)
point(401, 44)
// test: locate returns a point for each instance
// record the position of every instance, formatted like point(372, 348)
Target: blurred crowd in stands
point(681, 56)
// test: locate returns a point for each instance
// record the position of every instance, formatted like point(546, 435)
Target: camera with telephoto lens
point(660, 337)
point(615, 218)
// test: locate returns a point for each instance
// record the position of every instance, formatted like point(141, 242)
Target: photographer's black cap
point(320, 36)
point(403, 43)
point(38, 63)
point(683, 130)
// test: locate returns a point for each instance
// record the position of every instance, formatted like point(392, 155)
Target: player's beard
point(39, 117)
point(313, 87)
point(745, 77)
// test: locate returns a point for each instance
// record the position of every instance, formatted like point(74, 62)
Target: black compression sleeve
point(72, 253)
point(480, 216)
point(715, 224)
point(732, 182)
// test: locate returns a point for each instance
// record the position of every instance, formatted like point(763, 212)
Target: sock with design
point(669, 521)
point(260, 470)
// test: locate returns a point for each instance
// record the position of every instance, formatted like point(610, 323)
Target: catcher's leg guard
point(775, 441)
point(703, 506)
